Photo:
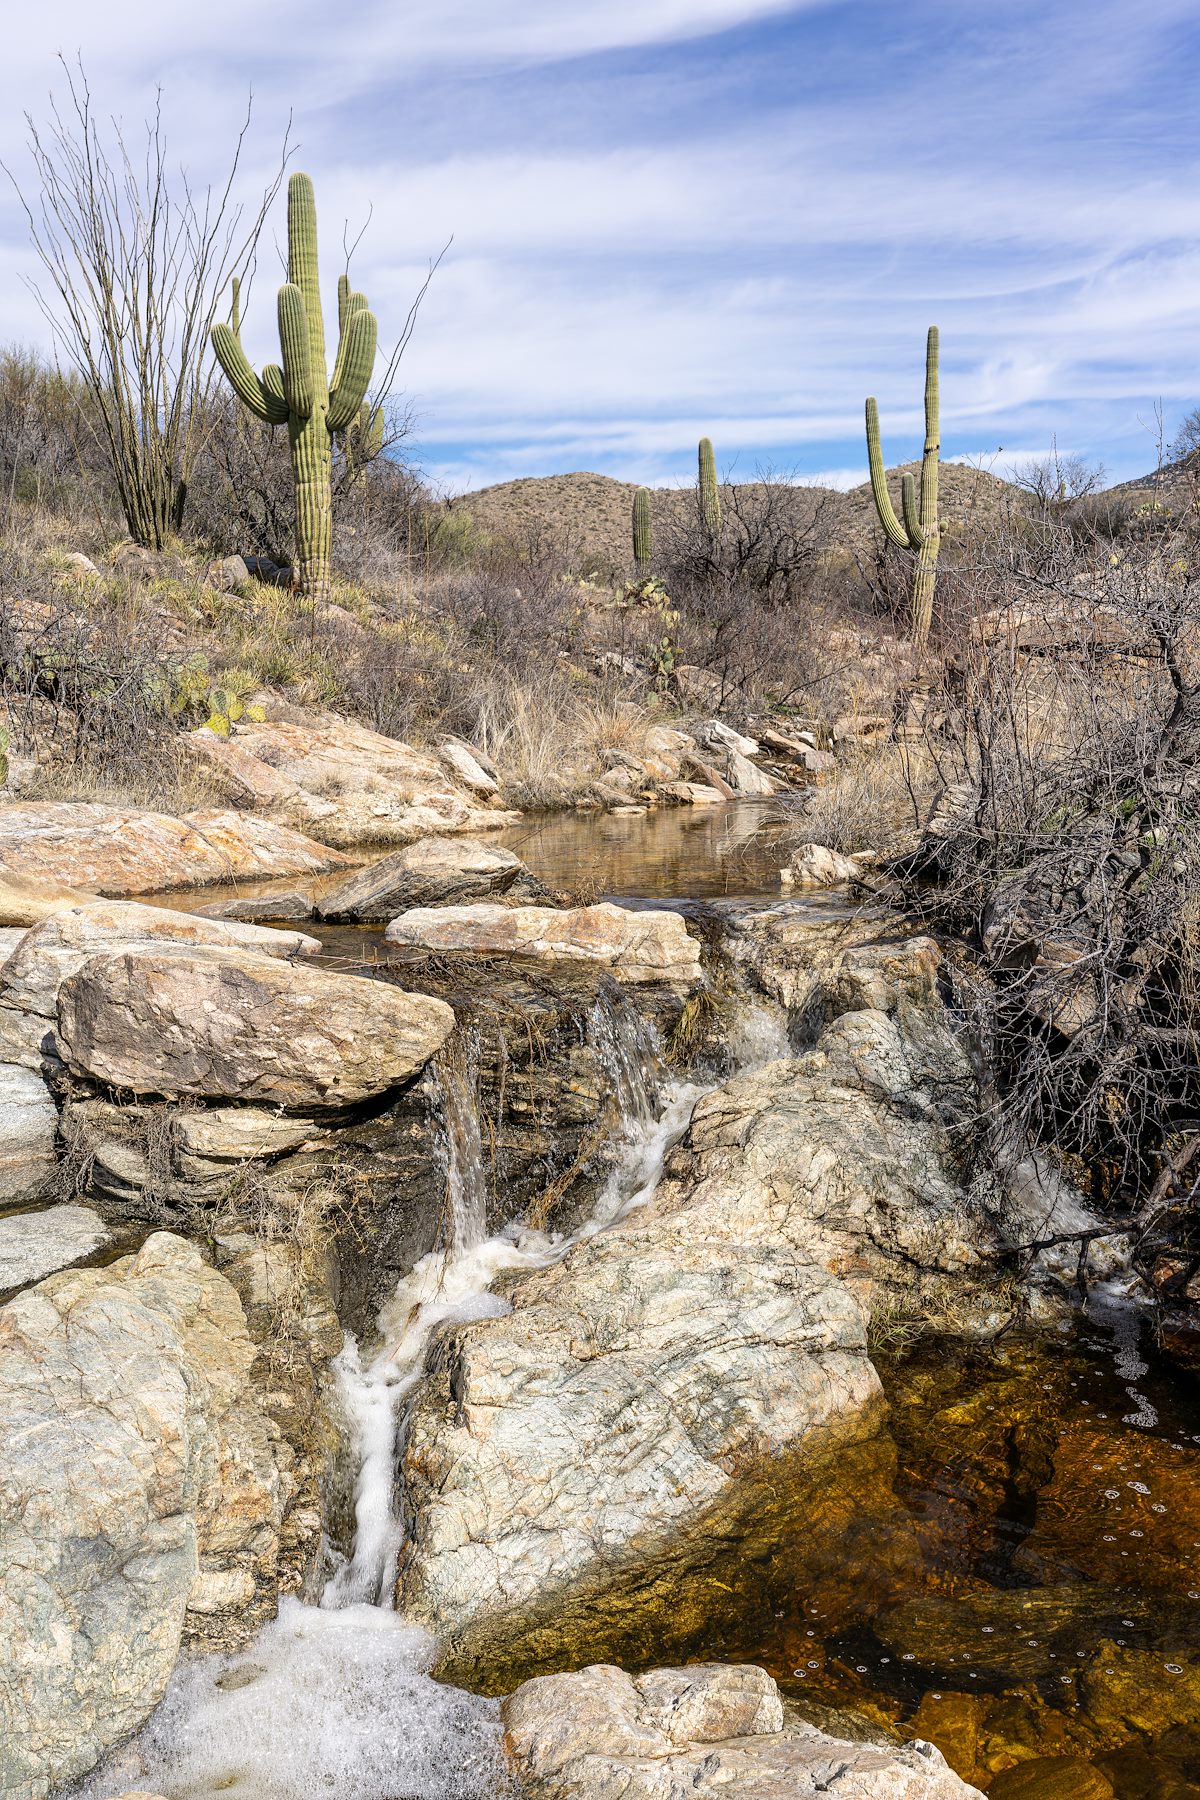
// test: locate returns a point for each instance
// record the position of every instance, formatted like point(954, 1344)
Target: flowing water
point(334, 1698)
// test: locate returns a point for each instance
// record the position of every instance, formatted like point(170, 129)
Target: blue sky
point(726, 216)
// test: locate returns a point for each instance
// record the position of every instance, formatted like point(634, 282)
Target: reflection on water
point(1011, 1568)
point(675, 853)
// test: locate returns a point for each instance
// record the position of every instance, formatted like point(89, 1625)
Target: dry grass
point(874, 799)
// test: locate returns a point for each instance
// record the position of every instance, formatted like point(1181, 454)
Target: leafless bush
point(769, 544)
point(1065, 732)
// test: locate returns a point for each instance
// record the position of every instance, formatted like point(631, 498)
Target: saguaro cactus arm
point(908, 506)
point(294, 342)
point(302, 267)
point(253, 393)
point(352, 372)
point(879, 487)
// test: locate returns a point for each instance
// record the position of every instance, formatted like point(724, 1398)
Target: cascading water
point(336, 1698)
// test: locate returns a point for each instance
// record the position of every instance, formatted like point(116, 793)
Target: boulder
point(138, 1462)
point(816, 866)
point(693, 793)
point(636, 946)
point(50, 952)
point(291, 904)
point(710, 1729)
point(36, 1244)
point(465, 766)
point(747, 780)
point(344, 783)
point(431, 872)
point(28, 1122)
point(714, 735)
point(236, 1025)
point(115, 851)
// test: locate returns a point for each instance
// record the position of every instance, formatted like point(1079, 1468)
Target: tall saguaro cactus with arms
point(299, 392)
point(920, 533)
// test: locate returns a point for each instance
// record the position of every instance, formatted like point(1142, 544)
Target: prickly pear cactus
point(299, 392)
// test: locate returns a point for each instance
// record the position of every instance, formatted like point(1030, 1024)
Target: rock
point(694, 793)
point(428, 873)
point(712, 734)
point(708, 1729)
point(1051, 1778)
point(114, 851)
point(747, 779)
point(79, 563)
point(235, 1025)
point(137, 1459)
point(706, 775)
point(26, 903)
point(698, 687)
point(50, 952)
point(227, 573)
point(344, 783)
point(816, 866)
point(636, 946)
point(10, 937)
point(36, 1244)
point(28, 1123)
point(293, 904)
point(462, 763)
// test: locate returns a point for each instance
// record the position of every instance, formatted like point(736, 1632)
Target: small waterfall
point(335, 1698)
point(456, 1078)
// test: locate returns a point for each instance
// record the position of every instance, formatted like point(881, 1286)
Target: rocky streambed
point(463, 1341)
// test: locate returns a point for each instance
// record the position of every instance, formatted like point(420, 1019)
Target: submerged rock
point(138, 1466)
point(433, 872)
point(635, 946)
point(117, 851)
point(708, 1729)
point(236, 1025)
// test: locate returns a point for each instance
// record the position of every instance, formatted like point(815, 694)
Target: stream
point(1011, 1568)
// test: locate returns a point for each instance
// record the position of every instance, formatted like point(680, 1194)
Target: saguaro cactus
point(643, 529)
point(710, 493)
point(920, 534)
point(301, 394)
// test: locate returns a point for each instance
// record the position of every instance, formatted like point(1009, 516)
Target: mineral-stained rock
point(136, 1459)
point(50, 952)
point(116, 851)
point(636, 946)
point(344, 783)
point(432, 872)
point(236, 1025)
point(28, 1121)
point(1051, 1778)
point(36, 1244)
point(707, 1729)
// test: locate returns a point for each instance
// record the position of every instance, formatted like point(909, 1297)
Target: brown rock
point(115, 851)
point(240, 1026)
point(428, 873)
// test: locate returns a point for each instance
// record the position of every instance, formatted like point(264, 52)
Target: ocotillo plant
point(710, 493)
point(643, 530)
point(920, 534)
point(301, 394)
